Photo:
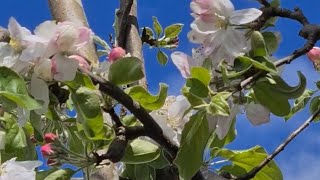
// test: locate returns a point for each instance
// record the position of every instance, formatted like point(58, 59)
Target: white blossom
point(17, 170)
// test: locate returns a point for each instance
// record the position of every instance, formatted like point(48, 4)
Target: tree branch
point(72, 10)
point(280, 148)
point(152, 129)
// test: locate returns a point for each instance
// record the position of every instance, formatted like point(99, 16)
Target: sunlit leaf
point(162, 57)
point(157, 26)
point(173, 30)
point(300, 103)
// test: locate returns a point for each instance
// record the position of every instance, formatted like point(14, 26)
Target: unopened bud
point(50, 137)
point(46, 150)
point(116, 53)
point(82, 61)
point(314, 55)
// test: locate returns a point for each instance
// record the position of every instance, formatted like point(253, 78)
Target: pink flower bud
point(116, 53)
point(314, 55)
point(46, 150)
point(50, 137)
point(53, 162)
point(82, 61)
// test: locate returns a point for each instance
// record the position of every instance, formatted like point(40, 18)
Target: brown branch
point(280, 148)
point(152, 129)
point(72, 10)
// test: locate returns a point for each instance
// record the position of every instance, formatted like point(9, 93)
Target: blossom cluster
point(215, 29)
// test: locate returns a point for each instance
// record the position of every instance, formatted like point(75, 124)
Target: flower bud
point(46, 150)
point(53, 162)
point(116, 53)
point(50, 137)
point(314, 55)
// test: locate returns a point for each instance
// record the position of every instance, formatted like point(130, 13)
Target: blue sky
point(300, 159)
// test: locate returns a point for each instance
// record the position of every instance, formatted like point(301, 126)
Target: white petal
point(23, 116)
point(212, 122)
point(224, 122)
point(66, 68)
point(16, 30)
point(161, 119)
point(46, 30)
point(222, 7)
point(202, 27)
point(40, 91)
point(182, 62)
point(42, 69)
point(33, 52)
point(244, 16)
point(2, 139)
point(257, 114)
point(235, 42)
point(176, 112)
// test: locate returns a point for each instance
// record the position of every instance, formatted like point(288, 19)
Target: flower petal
point(66, 68)
point(224, 122)
point(244, 16)
point(235, 42)
point(182, 62)
point(257, 114)
point(40, 91)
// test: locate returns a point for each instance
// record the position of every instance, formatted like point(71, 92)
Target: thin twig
point(280, 148)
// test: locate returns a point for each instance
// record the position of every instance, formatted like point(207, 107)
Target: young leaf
point(258, 44)
point(219, 105)
point(145, 99)
point(162, 58)
point(157, 26)
point(314, 106)
point(13, 87)
point(300, 103)
point(249, 159)
point(59, 174)
point(126, 70)
point(214, 140)
point(139, 151)
point(193, 141)
point(197, 88)
point(15, 136)
point(173, 30)
point(201, 74)
point(144, 172)
point(87, 104)
point(259, 63)
point(271, 41)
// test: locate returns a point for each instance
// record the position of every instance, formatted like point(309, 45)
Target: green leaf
point(233, 169)
point(193, 142)
point(241, 66)
point(15, 136)
point(13, 87)
point(318, 84)
point(197, 88)
point(193, 100)
point(271, 41)
point(61, 174)
point(214, 140)
point(202, 74)
point(173, 30)
point(126, 70)
point(314, 106)
point(276, 102)
point(162, 58)
point(259, 63)
point(160, 162)
point(139, 151)
point(87, 104)
point(219, 104)
point(81, 80)
point(300, 103)
point(249, 159)
point(157, 26)
point(144, 172)
point(145, 99)
point(258, 44)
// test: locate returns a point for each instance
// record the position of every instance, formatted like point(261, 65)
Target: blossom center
point(16, 45)
point(220, 21)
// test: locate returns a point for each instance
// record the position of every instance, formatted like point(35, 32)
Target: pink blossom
point(46, 150)
point(82, 61)
point(50, 137)
point(116, 53)
point(314, 55)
